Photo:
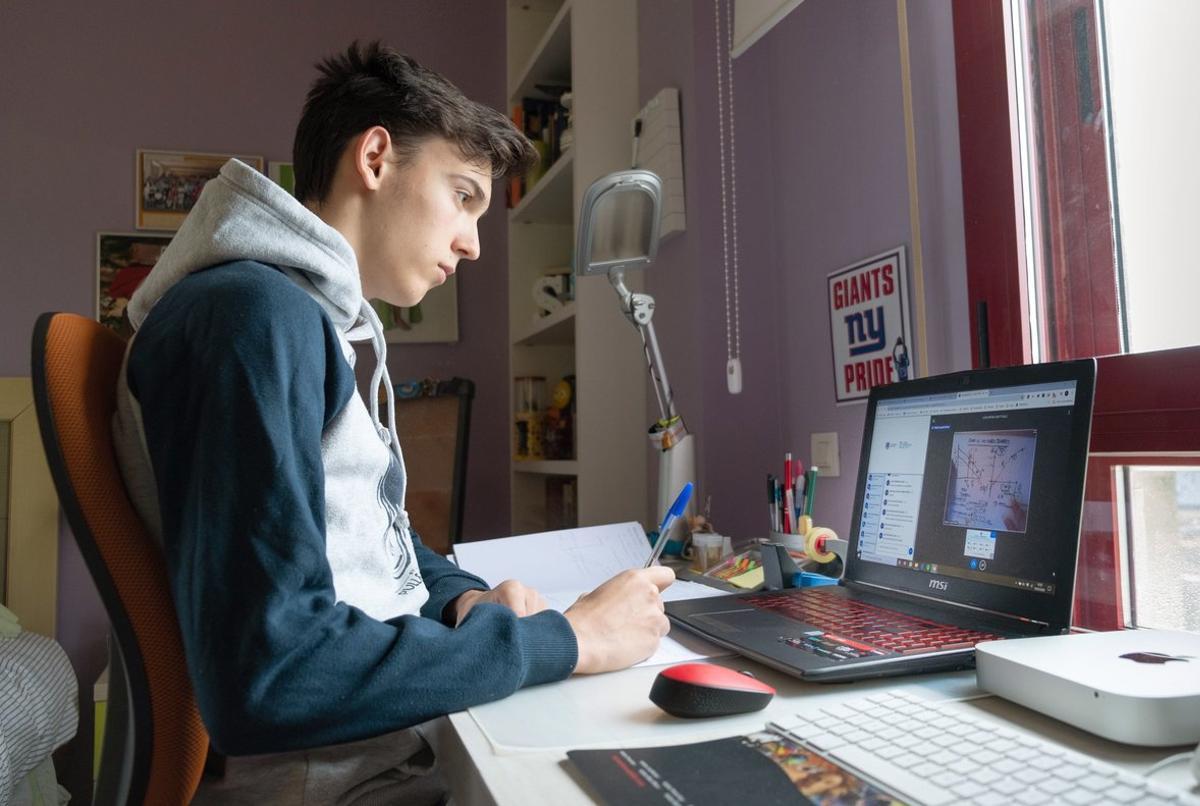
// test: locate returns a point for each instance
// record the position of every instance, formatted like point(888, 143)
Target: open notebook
point(566, 564)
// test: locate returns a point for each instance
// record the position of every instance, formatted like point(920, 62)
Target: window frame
point(1147, 405)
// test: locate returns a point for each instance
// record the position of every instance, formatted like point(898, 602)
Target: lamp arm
point(616, 278)
point(639, 310)
point(660, 376)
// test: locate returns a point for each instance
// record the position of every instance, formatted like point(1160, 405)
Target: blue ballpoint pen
point(681, 502)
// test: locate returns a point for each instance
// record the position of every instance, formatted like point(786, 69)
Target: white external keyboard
point(938, 753)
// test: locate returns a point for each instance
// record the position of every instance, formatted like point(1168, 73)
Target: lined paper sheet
point(566, 564)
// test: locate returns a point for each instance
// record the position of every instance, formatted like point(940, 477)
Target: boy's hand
point(621, 622)
point(522, 600)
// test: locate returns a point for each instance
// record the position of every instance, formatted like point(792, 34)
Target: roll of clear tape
point(815, 544)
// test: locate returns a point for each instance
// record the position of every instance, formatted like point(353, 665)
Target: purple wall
point(83, 85)
point(820, 175)
point(821, 182)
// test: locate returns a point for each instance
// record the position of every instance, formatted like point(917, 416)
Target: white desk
point(514, 751)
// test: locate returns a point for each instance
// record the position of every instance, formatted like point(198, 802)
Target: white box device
point(1134, 686)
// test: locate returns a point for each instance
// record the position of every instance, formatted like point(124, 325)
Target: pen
point(770, 502)
point(681, 502)
point(789, 514)
point(787, 469)
point(778, 506)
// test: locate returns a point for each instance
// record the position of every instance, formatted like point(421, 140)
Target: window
point(1077, 161)
point(1162, 538)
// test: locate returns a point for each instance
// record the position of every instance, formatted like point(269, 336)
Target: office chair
point(433, 419)
point(163, 747)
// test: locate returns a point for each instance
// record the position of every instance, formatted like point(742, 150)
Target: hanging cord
point(733, 219)
point(733, 325)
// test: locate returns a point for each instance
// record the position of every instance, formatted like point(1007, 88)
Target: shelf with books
point(550, 200)
point(588, 47)
point(557, 328)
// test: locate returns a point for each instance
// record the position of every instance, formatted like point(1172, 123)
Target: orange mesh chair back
point(75, 366)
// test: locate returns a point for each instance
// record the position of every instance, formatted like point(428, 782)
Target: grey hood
point(243, 215)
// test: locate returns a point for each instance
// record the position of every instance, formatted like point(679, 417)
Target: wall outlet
point(825, 453)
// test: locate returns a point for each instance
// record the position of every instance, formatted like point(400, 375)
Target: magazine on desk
point(761, 768)
point(568, 563)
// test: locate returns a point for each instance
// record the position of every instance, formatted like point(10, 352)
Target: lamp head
point(619, 222)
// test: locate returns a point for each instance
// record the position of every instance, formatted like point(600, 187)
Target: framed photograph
point(123, 259)
point(434, 319)
point(282, 174)
point(169, 182)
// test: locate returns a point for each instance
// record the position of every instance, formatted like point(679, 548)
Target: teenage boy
point(312, 616)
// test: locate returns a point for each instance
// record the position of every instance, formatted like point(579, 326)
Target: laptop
point(965, 529)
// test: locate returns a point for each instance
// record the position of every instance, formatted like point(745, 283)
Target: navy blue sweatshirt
point(239, 374)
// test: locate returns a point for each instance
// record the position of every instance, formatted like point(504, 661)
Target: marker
point(810, 491)
point(798, 487)
point(789, 511)
point(787, 470)
point(681, 502)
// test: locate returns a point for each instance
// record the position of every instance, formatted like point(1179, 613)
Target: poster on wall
point(169, 184)
point(283, 174)
point(123, 259)
point(871, 326)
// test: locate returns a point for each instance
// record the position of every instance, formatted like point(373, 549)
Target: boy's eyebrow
point(476, 189)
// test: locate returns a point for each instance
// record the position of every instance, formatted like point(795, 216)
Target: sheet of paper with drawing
point(566, 564)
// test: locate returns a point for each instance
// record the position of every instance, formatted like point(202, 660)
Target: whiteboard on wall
point(753, 18)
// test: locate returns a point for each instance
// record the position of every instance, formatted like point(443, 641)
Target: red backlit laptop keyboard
point(850, 628)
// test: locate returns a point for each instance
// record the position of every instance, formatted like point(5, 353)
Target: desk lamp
point(618, 230)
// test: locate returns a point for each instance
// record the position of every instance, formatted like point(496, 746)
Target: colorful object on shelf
point(558, 440)
point(529, 416)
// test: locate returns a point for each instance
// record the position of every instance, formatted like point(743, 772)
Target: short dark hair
point(374, 85)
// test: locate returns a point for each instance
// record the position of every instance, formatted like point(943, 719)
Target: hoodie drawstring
point(380, 377)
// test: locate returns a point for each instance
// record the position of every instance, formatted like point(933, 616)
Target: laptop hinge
point(903, 594)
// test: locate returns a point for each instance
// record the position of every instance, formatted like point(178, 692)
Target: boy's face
point(421, 223)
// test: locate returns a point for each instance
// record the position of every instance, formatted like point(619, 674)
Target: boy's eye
point(463, 196)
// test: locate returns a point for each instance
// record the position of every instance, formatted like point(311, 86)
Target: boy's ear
point(371, 150)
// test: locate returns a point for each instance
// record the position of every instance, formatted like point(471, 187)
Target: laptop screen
point(973, 494)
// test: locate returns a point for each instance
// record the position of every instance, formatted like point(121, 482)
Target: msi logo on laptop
point(939, 584)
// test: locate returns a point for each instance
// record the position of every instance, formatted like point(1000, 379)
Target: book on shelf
point(543, 121)
point(516, 184)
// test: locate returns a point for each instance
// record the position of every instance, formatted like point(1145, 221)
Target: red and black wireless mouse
point(693, 690)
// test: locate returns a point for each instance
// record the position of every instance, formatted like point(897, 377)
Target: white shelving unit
point(592, 46)
point(549, 201)
point(557, 328)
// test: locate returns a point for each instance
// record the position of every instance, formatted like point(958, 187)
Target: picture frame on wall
point(433, 320)
point(283, 174)
point(123, 259)
point(169, 183)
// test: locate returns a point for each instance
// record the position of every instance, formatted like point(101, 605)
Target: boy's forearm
point(445, 581)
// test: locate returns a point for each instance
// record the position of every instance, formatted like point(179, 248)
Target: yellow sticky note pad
point(748, 580)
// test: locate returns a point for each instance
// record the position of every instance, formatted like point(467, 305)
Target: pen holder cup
point(708, 548)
